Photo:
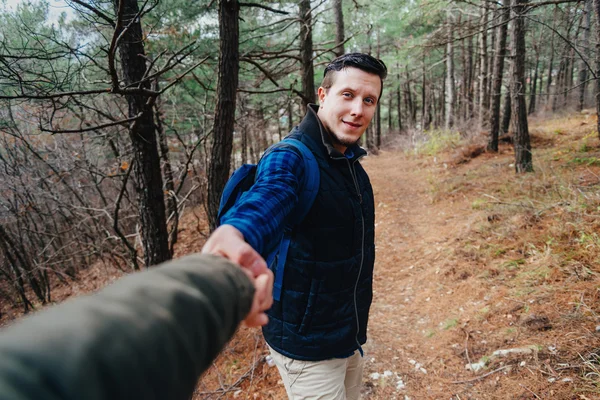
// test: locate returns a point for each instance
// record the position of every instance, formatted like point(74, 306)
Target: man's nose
point(357, 108)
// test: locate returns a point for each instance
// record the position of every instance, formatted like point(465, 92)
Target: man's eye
point(369, 100)
point(346, 94)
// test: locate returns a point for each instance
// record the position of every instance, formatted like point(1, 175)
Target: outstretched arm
point(148, 336)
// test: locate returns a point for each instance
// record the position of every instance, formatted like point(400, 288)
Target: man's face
point(346, 109)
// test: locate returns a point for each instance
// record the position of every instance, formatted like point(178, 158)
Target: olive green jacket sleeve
point(148, 336)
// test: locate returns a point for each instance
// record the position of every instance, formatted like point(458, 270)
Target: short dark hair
point(361, 61)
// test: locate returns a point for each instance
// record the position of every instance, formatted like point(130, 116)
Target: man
point(318, 326)
point(148, 336)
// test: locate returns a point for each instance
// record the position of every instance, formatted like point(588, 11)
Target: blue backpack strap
point(308, 192)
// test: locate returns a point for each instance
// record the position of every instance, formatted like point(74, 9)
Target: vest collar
point(311, 125)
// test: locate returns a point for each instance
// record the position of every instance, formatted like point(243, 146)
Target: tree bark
point(172, 209)
point(586, 50)
point(399, 98)
point(471, 80)
point(339, 27)
point(378, 112)
point(463, 104)
point(306, 52)
point(551, 62)
point(490, 63)
point(597, 94)
point(223, 124)
point(558, 84)
point(142, 132)
point(484, 101)
point(532, 92)
point(506, 112)
point(390, 122)
point(449, 75)
point(497, 80)
point(523, 159)
point(410, 105)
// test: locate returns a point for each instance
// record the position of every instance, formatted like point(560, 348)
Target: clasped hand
point(228, 242)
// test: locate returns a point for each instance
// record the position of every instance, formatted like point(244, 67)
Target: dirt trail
point(415, 239)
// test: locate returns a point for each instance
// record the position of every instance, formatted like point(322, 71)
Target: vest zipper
point(362, 251)
point(362, 245)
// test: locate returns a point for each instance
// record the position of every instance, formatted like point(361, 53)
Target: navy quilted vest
point(327, 284)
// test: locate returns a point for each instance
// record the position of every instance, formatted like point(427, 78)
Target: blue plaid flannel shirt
point(260, 212)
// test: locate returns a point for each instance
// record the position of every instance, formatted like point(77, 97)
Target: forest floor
point(475, 266)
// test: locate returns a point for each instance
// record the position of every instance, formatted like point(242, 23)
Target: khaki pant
point(334, 379)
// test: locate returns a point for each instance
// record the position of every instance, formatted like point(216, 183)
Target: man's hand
point(262, 301)
point(226, 241)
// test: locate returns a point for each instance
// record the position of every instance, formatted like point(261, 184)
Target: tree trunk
point(540, 84)
point(410, 108)
point(244, 149)
point(490, 62)
point(523, 159)
point(597, 94)
point(484, 101)
point(424, 124)
point(339, 27)
point(467, 59)
point(569, 78)
point(399, 98)
point(497, 80)
point(142, 132)
point(290, 111)
point(306, 53)
point(558, 85)
point(390, 122)
point(581, 26)
point(532, 93)
point(172, 210)
point(506, 112)
point(227, 83)
point(471, 81)
point(583, 69)
point(449, 75)
point(551, 62)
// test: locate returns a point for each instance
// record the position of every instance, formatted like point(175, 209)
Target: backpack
point(243, 179)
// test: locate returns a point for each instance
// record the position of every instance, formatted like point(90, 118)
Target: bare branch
point(113, 47)
point(263, 7)
point(181, 76)
point(116, 219)
point(93, 128)
point(95, 11)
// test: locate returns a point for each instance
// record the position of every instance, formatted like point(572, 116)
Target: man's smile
point(352, 124)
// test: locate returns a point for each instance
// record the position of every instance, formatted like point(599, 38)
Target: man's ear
point(322, 92)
